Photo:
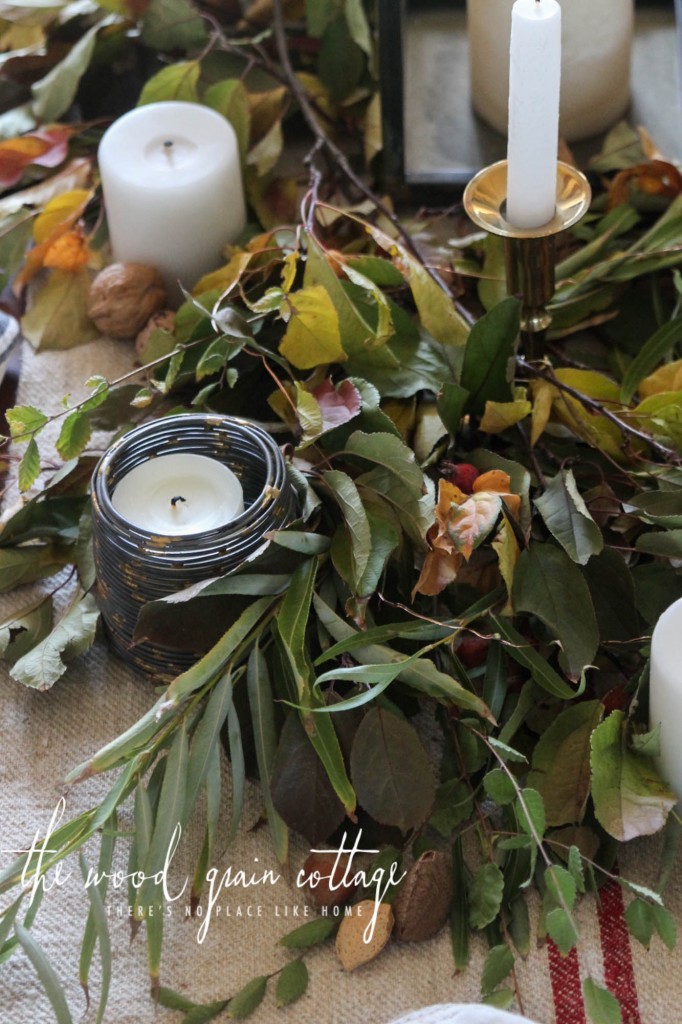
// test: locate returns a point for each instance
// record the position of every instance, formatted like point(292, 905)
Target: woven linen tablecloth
point(44, 735)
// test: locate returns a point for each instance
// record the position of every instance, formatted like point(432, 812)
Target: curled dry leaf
point(356, 941)
point(422, 905)
point(463, 521)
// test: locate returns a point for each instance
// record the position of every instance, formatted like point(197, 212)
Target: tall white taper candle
point(534, 86)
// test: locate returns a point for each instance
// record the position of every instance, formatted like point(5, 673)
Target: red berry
point(462, 475)
point(473, 651)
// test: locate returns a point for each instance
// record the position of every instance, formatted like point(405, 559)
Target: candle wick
point(176, 499)
point(168, 150)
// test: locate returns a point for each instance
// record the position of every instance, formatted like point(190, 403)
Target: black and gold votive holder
point(134, 567)
point(530, 253)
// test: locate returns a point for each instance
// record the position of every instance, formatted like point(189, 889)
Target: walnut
point(123, 296)
point(164, 320)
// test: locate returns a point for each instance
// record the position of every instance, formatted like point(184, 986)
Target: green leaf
point(422, 675)
point(312, 933)
point(666, 544)
point(74, 435)
point(41, 667)
point(29, 467)
point(639, 916)
point(454, 804)
point(24, 628)
point(561, 762)
point(356, 523)
point(506, 752)
point(630, 799)
point(656, 349)
point(562, 930)
point(230, 99)
point(568, 520)
point(391, 772)
point(601, 1006)
point(247, 999)
point(172, 25)
point(358, 25)
point(24, 421)
point(302, 794)
point(171, 1000)
point(54, 94)
point(292, 983)
point(175, 82)
point(485, 895)
point(170, 814)
point(521, 651)
point(459, 909)
point(205, 1013)
point(46, 973)
point(265, 741)
point(549, 585)
point(489, 349)
point(666, 925)
point(612, 588)
point(205, 740)
point(99, 917)
point(660, 507)
point(451, 403)
point(531, 812)
point(499, 787)
point(498, 964)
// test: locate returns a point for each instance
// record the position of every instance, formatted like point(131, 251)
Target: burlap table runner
point(43, 735)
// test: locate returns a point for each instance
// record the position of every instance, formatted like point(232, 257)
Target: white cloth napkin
point(458, 1013)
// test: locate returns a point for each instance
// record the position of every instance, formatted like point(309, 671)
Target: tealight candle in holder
point(595, 69)
point(665, 692)
point(179, 494)
point(149, 543)
point(173, 193)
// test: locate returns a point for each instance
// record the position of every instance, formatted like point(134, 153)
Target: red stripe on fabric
point(564, 973)
point(619, 973)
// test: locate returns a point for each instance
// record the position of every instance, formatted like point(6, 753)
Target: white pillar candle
point(534, 82)
point(595, 67)
point(179, 494)
point(172, 187)
point(665, 692)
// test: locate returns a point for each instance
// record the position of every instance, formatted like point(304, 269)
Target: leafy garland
point(483, 538)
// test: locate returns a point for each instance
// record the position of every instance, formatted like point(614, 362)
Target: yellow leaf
point(289, 271)
point(224, 278)
point(666, 378)
point(499, 416)
point(543, 398)
point(507, 549)
point(373, 134)
point(64, 209)
point(57, 317)
point(312, 337)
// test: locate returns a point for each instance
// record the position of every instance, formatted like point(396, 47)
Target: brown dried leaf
point(422, 905)
point(356, 942)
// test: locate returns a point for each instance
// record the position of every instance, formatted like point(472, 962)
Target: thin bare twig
point(667, 454)
point(338, 158)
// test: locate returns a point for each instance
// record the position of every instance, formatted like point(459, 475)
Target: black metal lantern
point(134, 566)
point(432, 138)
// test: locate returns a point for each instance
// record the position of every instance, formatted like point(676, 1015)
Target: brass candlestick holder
point(530, 253)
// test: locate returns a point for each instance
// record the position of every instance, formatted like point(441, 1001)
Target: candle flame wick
point(168, 150)
point(176, 499)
